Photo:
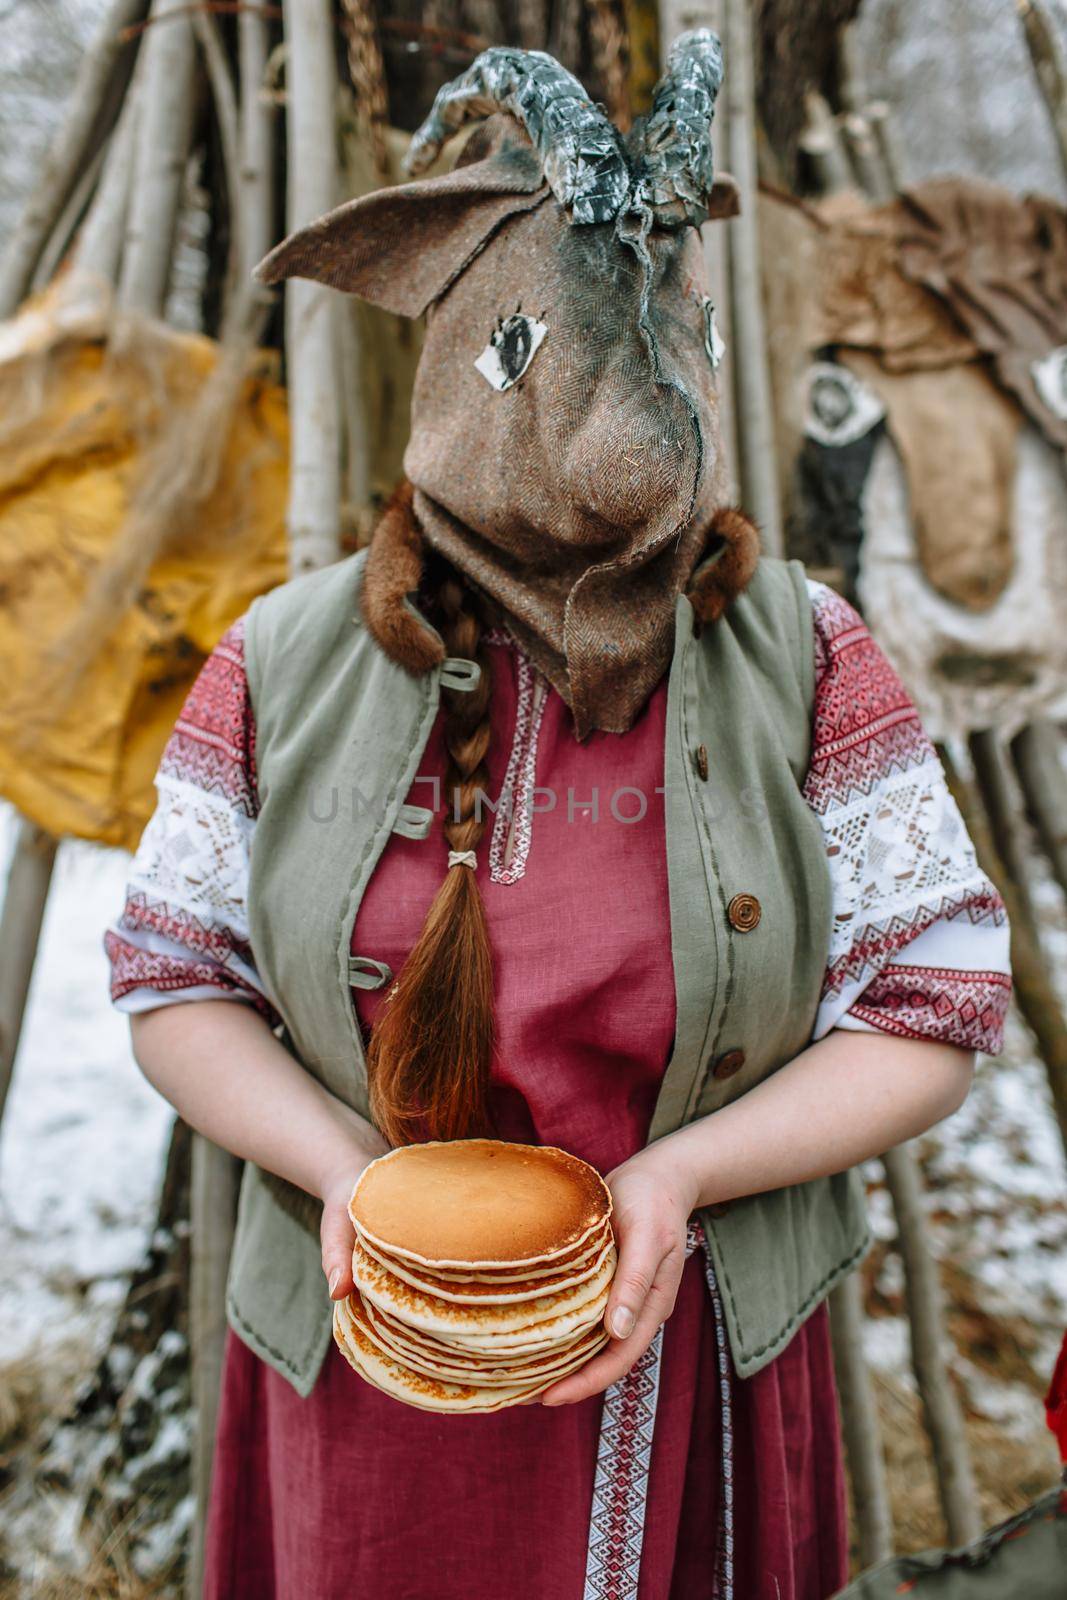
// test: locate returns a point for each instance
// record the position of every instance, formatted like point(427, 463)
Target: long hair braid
point(431, 1046)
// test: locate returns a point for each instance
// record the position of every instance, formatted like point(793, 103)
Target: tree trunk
point(941, 1411)
point(310, 309)
point(757, 459)
point(859, 1424)
point(28, 879)
point(167, 77)
point(70, 152)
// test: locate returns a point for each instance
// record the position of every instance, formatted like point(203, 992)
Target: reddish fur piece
point(714, 588)
point(393, 571)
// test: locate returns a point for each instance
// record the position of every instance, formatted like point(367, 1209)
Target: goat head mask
point(564, 448)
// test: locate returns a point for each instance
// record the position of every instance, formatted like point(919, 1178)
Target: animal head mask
point(564, 446)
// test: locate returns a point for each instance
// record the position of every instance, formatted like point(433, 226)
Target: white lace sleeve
point(919, 943)
point(183, 932)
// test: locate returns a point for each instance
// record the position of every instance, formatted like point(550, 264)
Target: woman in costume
point(559, 814)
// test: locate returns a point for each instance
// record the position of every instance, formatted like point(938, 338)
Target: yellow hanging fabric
point(90, 426)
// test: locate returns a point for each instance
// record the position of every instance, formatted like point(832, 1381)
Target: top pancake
point(478, 1202)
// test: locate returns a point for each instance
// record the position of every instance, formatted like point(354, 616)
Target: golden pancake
point(581, 1255)
point(415, 1389)
point(409, 1342)
point(554, 1365)
point(475, 1292)
point(421, 1309)
point(478, 1203)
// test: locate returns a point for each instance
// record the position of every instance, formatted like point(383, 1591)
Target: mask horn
point(581, 153)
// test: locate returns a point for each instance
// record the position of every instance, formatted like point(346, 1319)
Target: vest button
point(728, 1064)
point(700, 756)
point(719, 1209)
point(744, 912)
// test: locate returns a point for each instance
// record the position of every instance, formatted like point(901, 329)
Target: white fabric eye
point(714, 343)
point(840, 409)
point(512, 346)
point(1050, 380)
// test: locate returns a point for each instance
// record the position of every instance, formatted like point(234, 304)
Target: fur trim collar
point(394, 570)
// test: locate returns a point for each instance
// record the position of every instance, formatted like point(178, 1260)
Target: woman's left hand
point(652, 1204)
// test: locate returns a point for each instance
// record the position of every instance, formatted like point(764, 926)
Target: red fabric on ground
point(351, 1494)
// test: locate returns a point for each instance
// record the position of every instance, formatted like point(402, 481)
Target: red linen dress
point(349, 1493)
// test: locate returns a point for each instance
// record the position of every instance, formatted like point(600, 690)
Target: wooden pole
point(310, 309)
point(1038, 756)
point(824, 147)
point(675, 19)
point(213, 1216)
point(1034, 991)
point(98, 249)
point(994, 780)
point(28, 879)
point(859, 1424)
point(167, 73)
point(867, 158)
point(1049, 68)
point(71, 151)
point(941, 1410)
point(757, 457)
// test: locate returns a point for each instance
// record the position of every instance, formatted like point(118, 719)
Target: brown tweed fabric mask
point(564, 445)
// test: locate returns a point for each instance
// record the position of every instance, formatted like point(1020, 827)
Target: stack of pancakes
point(482, 1271)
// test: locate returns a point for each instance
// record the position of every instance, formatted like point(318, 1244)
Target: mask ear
point(401, 247)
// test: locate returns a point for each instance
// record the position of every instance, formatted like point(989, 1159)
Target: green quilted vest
point(340, 732)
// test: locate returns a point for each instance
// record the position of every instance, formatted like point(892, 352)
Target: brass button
point(728, 1064)
point(701, 758)
point(719, 1209)
point(744, 912)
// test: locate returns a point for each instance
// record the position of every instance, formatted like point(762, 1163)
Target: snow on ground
point(83, 1136)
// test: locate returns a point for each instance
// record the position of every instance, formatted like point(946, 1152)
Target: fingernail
point(622, 1322)
point(335, 1278)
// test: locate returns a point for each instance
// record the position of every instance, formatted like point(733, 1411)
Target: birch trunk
point(310, 309)
point(757, 459)
point(257, 140)
point(71, 151)
point(167, 74)
point(859, 1424)
point(941, 1411)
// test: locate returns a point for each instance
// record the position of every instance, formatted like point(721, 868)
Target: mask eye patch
point(840, 409)
point(512, 346)
point(714, 343)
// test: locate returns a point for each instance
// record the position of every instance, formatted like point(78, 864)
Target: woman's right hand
point(336, 1232)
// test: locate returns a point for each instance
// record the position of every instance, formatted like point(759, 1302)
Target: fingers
point(615, 1361)
point(338, 1236)
point(645, 1245)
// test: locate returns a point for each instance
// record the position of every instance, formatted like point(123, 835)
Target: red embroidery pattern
point(963, 1008)
point(865, 725)
point(882, 941)
point(133, 968)
point(213, 743)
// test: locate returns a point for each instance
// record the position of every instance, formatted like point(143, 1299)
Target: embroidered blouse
point(919, 941)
